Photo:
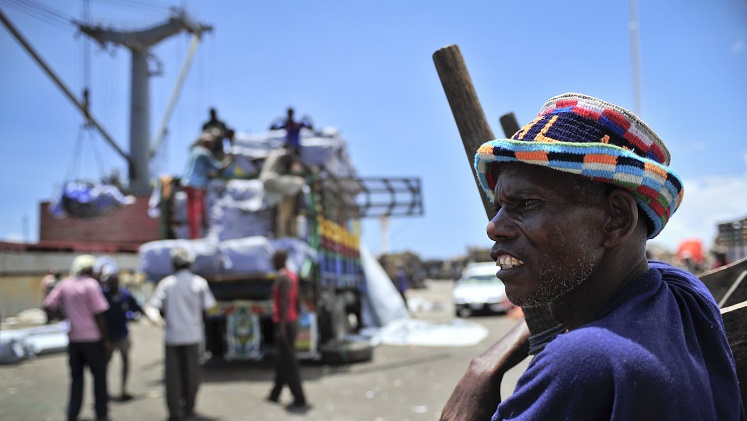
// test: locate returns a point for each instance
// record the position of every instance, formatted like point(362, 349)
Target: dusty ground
point(401, 383)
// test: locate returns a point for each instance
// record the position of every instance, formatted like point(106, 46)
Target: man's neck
point(583, 304)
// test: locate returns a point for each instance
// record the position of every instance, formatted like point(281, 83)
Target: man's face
point(547, 240)
point(113, 281)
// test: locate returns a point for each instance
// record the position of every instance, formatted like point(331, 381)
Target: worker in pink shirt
point(85, 304)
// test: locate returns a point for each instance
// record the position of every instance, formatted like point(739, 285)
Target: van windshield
point(480, 280)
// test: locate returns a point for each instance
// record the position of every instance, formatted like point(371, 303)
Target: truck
point(323, 241)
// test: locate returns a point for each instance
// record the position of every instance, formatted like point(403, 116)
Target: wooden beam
point(509, 124)
point(720, 281)
point(735, 324)
point(470, 119)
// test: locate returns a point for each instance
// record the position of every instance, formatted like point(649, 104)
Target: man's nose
point(500, 228)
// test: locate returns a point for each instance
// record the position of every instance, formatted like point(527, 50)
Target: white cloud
point(708, 201)
point(13, 238)
point(699, 146)
point(737, 47)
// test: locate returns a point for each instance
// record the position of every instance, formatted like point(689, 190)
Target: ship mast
point(140, 43)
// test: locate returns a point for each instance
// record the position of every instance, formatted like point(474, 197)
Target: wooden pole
point(470, 119)
point(509, 124)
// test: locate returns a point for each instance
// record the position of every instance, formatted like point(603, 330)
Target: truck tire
point(347, 352)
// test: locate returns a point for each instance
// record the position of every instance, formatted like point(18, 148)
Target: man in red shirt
point(285, 319)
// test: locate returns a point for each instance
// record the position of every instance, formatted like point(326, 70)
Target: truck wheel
point(346, 352)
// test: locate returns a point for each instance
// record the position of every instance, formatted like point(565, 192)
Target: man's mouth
point(508, 262)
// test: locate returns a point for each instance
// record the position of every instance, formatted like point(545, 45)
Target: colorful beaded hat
point(582, 135)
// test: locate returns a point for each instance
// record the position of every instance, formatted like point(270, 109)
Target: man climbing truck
point(269, 200)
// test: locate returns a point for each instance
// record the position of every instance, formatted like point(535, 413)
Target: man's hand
point(153, 316)
point(477, 394)
point(107, 345)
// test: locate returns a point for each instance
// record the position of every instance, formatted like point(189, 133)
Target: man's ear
point(622, 217)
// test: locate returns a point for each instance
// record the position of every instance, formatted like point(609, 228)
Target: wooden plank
point(735, 324)
point(733, 295)
point(718, 281)
point(470, 119)
point(509, 124)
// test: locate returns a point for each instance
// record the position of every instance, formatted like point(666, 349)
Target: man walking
point(121, 305)
point(182, 299)
point(84, 305)
point(285, 319)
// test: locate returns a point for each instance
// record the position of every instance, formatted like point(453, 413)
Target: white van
point(480, 290)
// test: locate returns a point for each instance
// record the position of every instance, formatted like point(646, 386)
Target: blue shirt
point(121, 306)
point(658, 351)
point(201, 164)
point(292, 131)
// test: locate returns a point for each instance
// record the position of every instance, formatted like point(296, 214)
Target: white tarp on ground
point(382, 303)
point(389, 323)
point(20, 344)
point(456, 332)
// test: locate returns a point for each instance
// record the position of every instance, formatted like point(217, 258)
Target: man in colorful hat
point(84, 303)
point(577, 193)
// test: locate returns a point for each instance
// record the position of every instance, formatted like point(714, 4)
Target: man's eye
point(528, 202)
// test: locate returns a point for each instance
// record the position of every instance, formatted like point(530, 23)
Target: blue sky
point(366, 68)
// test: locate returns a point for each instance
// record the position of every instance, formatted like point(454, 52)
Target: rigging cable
point(72, 170)
point(157, 162)
point(96, 147)
point(86, 54)
point(44, 13)
point(86, 47)
point(133, 4)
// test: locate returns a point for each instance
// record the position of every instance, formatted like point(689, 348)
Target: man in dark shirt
point(122, 307)
point(215, 124)
point(221, 131)
point(577, 192)
point(292, 131)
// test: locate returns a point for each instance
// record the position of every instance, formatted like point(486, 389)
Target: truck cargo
point(245, 225)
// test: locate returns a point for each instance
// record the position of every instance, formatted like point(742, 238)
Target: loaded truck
point(251, 212)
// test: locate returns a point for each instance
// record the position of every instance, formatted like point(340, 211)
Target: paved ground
point(401, 383)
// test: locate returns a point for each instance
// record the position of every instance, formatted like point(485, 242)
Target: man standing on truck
point(283, 185)
point(292, 131)
point(201, 167)
point(285, 309)
point(84, 305)
point(215, 124)
point(577, 192)
point(182, 299)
